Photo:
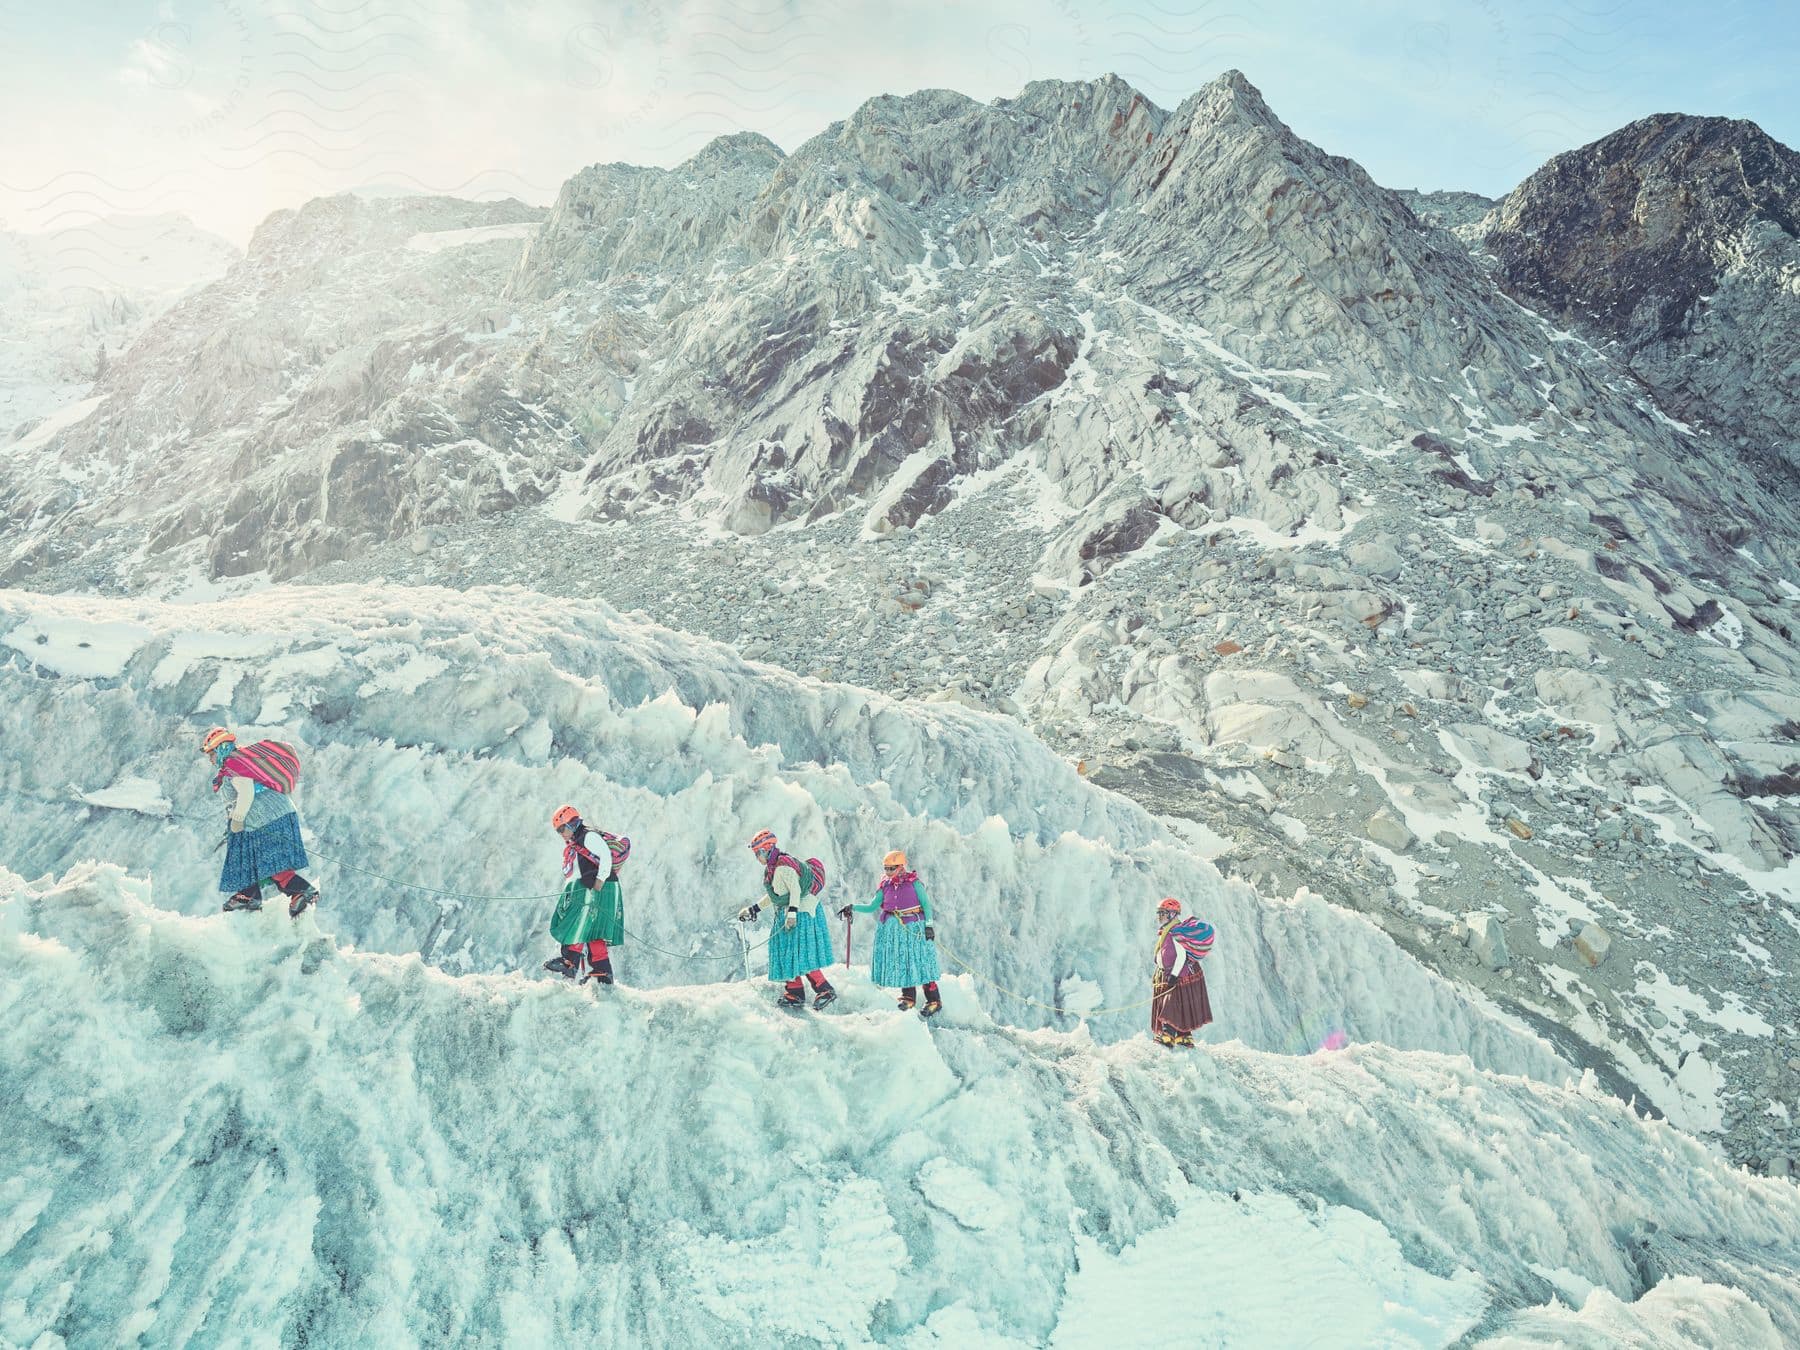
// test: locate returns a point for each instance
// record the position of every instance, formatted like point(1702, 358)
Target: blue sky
point(229, 109)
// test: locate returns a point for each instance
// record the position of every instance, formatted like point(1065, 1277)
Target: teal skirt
point(795, 951)
point(903, 958)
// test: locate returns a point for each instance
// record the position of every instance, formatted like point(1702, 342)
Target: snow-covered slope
point(73, 299)
point(238, 1128)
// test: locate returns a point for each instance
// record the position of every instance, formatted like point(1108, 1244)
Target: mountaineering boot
point(792, 996)
point(931, 1009)
point(300, 901)
point(600, 973)
point(1184, 1038)
point(568, 964)
point(908, 997)
point(824, 994)
point(1165, 1035)
point(250, 898)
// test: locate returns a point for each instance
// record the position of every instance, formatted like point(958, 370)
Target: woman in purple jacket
point(905, 942)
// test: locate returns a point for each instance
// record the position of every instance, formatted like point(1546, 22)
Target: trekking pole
point(744, 947)
point(849, 923)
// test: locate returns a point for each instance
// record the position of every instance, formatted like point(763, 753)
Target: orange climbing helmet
point(563, 815)
point(214, 739)
point(763, 841)
point(1170, 905)
point(895, 859)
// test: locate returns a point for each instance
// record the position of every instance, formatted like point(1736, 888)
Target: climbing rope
point(419, 886)
point(640, 941)
point(630, 936)
point(316, 855)
point(1048, 1007)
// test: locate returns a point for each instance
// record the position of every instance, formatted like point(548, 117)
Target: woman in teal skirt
point(905, 941)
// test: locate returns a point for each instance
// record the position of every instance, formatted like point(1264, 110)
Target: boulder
point(1485, 935)
point(1592, 943)
point(1386, 829)
point(1486, 748)
point(1375, 557)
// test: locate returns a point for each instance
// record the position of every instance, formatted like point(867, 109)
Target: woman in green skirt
point(590, 912)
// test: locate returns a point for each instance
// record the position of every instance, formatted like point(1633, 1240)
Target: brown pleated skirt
point(1181, 1004)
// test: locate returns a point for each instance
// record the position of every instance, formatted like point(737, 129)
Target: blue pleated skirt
point(256, 855)
point(903, 958)
point(807, 946)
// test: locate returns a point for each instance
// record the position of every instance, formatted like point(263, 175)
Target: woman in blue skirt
point(263, 829)
point(905, 941)
point(799, 942)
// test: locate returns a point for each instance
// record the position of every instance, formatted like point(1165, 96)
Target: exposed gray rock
point(1592, 943)
point(1679, 239)
point(1388, 831)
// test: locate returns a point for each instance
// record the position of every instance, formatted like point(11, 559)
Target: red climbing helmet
point(763, 841)
point(214, 739)
point(563, 815)
point(1170, 905)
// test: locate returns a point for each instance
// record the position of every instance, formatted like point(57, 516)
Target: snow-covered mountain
point(73, 299)
point(285, 407)
point(359, 1125)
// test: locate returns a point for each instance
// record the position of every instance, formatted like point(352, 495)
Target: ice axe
point(849, 921)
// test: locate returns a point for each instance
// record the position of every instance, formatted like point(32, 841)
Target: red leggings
point(817, 978)
point(597, 951)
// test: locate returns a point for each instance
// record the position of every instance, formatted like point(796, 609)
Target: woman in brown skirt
point(1179, 1006)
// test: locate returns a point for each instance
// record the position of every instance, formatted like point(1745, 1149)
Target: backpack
point(812, 872)
point(1195, 937)
point(274, 764)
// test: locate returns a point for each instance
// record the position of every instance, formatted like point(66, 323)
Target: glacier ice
point(228, 1127)
point(379, 1124)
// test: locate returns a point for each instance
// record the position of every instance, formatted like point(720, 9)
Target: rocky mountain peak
point(1632, 231)
point(1232, 95)
point(1676, 238)
point(739, 150)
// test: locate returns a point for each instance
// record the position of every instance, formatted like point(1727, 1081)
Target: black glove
point(930, 933)
point(844, 913)
point(748, 913)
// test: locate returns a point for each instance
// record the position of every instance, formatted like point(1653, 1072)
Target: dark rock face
point(1627, 234)
point(1678, 238)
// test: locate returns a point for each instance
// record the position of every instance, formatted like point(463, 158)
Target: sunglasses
point(890, 867)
